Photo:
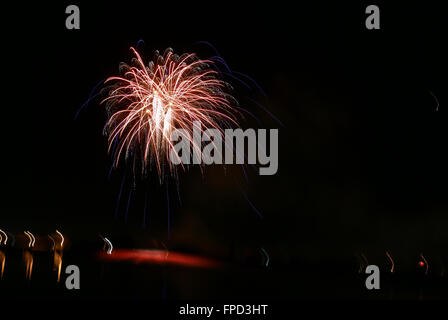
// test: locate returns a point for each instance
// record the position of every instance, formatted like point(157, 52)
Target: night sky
point(363, 149)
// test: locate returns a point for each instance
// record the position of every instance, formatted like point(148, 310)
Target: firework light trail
point(148, 102)
point(392, 266)
point(108, 243)
point(62, 238)
point(5, 236)
point(2, 255)
point(2, 264)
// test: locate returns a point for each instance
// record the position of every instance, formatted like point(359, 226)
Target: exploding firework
point(147, 102)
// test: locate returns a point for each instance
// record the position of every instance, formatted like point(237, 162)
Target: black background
point(362, 158)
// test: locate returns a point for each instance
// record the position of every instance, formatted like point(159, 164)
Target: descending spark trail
point(28, 256)
point(29, 264)
point(109, 245)
point(5, 236)
point(252, 205)
point(267, 256)
point(435, 98)
point(57, 255)
point(31, 238)
point(2, 264)
point(109, 251)
point(391, 261)
point(62, 238)
point(53, 243)
point(57, 264)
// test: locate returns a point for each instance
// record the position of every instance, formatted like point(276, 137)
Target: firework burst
point(147, 102)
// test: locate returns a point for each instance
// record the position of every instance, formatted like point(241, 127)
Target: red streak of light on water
point(158, 257)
